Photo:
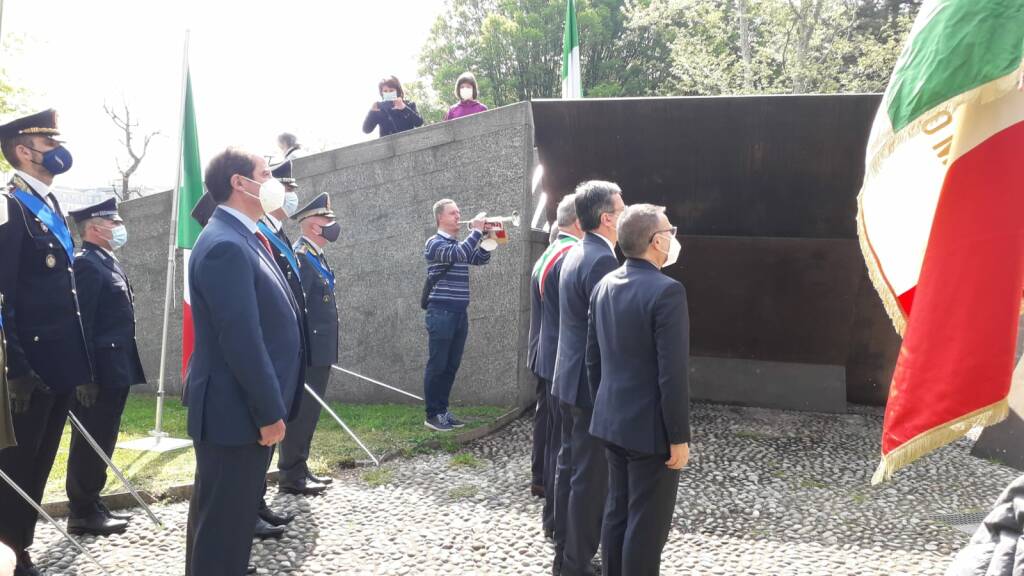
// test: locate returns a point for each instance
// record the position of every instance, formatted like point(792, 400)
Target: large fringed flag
point(941, 222)
point(188, 229)
point(572, 87)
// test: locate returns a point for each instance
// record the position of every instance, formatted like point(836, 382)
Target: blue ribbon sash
point(49, 218)
point(280, 245)
point(321, 269)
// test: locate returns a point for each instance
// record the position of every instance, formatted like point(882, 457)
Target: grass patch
point(463, 492)
point(383, 428)
point(377, 477)
point(811, 483)
point(465, 460)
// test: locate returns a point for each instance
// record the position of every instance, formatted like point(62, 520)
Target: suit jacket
point(108, 318)
point(41, 317)
point(582, 268)
point(535, 326)
point(245, 372)
point(278, 249)
point(6, 421)
point(321, 307)
point(547, 348)
point(638, 346)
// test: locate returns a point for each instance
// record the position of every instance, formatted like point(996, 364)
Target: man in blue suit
point(598, 206)
point(638, 344)
point(244, 378)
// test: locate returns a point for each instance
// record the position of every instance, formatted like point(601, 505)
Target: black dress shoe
point(309, 489)
point(25, 567)
point(97, 524)
point(275, 519)
point(264, 530)
point(325, 480)
point(115, 515)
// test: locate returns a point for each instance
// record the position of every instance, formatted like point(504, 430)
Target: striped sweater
point(452, 291)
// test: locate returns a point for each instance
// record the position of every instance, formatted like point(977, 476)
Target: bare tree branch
point(124, 123)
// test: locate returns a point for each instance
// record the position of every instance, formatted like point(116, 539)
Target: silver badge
point(51, 260)
point(327, 299)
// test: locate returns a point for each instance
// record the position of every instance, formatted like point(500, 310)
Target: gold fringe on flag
point(885, 292)
point(937, 437)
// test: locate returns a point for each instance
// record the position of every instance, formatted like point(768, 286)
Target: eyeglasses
point(656, 232)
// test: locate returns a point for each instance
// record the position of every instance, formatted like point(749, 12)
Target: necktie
point(265, 242)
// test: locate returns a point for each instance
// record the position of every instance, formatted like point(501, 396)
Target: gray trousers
point(295, 447)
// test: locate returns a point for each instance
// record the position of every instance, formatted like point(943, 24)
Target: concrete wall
point(382, 192)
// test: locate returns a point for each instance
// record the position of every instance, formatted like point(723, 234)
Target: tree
point(128, 128)
point(670, 47)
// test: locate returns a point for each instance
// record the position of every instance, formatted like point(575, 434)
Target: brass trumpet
point(513, 219)
point(494, 230)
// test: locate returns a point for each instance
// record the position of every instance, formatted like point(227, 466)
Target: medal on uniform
point(327, 299)
point(51, 260)
point(43, 227)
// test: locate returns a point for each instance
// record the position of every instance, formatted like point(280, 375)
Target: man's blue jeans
point(447, 330)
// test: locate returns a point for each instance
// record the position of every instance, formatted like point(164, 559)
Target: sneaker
point(439, 423)
point(453, 421)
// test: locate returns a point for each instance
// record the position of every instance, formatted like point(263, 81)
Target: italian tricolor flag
point(189, 193)
point(941, 222)
point(571, 84)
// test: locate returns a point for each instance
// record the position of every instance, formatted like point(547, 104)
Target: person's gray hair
point(288, 139)
point(84, 225)
point(636, 226)
point(440, 205)
point(565, 215)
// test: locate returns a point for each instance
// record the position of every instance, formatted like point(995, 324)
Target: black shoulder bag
point(429, 283)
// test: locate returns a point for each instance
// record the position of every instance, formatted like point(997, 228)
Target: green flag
point(191, 173)
point(571, 86)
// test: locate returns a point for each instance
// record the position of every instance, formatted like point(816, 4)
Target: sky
point(258, 68)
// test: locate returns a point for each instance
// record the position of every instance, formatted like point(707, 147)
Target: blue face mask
point(56, 161)
point(119, 236)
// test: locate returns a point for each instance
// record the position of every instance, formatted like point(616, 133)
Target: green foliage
point(668, 47)
point(465, 460)
point(377, 477)
point(10, 101)
point(463, 492)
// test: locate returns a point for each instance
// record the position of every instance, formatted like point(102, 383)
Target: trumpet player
point(445, 297)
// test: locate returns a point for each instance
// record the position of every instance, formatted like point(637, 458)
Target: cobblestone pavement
point(767, 492)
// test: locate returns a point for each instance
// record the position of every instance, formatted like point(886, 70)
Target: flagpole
point(158, 432)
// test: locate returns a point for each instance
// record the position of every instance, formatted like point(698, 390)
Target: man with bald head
point(244, 378)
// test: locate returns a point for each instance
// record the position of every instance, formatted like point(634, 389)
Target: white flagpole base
point(156, 442)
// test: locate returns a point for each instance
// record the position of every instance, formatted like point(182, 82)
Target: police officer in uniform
point(318, 228)
point(46, 352)
point(108, 318)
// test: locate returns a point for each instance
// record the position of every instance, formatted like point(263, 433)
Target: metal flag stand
point(39, 509)
point(117, 471)
point(341, 423)
point(372, 381)
point(158, 440)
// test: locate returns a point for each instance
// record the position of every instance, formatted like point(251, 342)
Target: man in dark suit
point(46, 353)
point(318, 228)
point(270, 524)
point(244, 376)
point(108, 318)
point(638, 344)
point(544, 330)
point(598, 206)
